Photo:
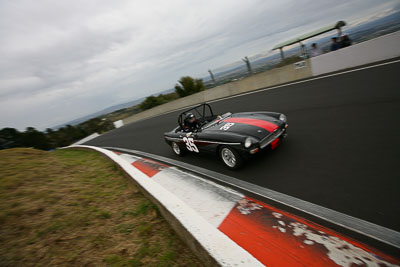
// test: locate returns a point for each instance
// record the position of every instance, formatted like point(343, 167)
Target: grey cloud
point(65, 59)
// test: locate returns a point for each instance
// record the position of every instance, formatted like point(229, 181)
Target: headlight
point(282, 117)
point(247, 142)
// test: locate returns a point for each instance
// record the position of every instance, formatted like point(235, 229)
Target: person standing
point(335, 45)
point(315, 50)
point(345, 41)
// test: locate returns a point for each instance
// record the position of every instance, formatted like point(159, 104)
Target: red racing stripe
point(269, 126)
point(275, 143)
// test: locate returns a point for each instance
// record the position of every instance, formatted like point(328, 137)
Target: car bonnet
point(258, 127)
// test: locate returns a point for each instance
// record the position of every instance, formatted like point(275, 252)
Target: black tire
point(230, 157)
point(177, 149)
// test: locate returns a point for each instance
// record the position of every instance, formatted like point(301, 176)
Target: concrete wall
point(265, 79)
point(381, 48)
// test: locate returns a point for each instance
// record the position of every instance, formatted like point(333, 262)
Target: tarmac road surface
point(343, 148)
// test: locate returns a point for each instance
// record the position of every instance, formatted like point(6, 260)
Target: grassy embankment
point(71, 207)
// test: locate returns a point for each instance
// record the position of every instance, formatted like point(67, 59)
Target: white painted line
point(377, 232)
point(225, 251)
point(86, 139)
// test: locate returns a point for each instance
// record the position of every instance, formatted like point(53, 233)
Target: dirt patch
point(72, 207)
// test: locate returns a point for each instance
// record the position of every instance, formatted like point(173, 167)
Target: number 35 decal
point(190, 144)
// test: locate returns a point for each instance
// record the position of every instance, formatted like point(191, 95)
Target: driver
point(191, 123)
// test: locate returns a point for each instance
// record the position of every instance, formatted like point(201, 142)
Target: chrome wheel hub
point(228, 157)
point(176, 148)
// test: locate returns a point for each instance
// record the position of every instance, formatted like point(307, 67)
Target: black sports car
point(233, 137)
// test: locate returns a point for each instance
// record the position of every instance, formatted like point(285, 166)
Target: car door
point(204, 141)
point(198, 142)
point(190, 140)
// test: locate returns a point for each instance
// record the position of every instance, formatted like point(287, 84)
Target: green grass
point(125, 228)
point(75, 207)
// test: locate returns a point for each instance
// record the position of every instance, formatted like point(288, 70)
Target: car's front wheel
point(230, 157)
point(177, 150)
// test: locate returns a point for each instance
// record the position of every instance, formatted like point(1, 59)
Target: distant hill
point(168, 91)
point(101, 112)
point(110, 109)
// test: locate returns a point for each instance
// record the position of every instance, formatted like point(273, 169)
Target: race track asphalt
point(343, 148)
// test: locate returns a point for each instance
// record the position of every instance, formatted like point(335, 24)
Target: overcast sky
point(61, 60)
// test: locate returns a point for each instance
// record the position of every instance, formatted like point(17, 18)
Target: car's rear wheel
point(230, 157)
point(177, 150)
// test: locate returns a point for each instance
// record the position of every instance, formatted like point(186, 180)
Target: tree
point(187, 86)
point(151, 101)
point(33, 138)
point(10, 137)
point(64, 136)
